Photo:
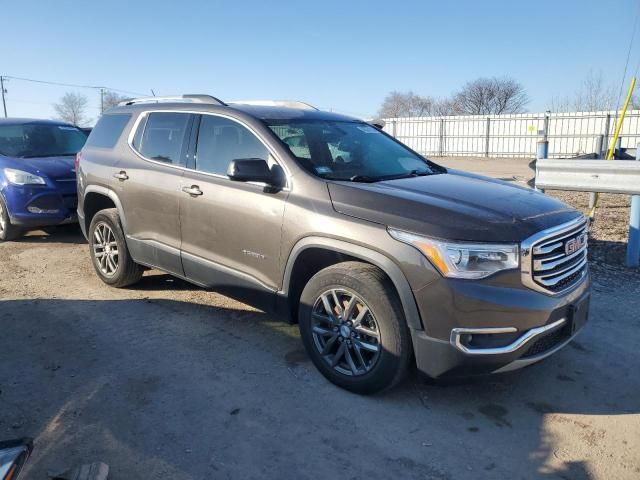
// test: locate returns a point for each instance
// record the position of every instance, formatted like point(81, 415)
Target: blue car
point(37, 174)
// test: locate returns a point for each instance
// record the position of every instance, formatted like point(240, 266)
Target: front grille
point(556, 260)
point(548, 341)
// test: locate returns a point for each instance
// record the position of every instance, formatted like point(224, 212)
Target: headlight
point(18, 177)
point(462, 260)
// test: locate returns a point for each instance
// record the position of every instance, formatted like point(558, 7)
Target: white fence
point(513, 135)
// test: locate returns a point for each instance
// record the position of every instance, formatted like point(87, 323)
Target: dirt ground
point(166, 380)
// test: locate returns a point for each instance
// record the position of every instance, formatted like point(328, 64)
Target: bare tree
point(110, 99)
point(594, 94)
point(486, 96)
point(72, 108)
point(409, 104)
point(445, 106)
point(560, 104)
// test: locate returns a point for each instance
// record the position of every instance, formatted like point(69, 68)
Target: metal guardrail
point(601, 176)
point(604, 176)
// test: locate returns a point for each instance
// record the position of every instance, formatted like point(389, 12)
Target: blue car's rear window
point(108, 130)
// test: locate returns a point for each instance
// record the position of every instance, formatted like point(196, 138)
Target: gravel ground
point(166, 380)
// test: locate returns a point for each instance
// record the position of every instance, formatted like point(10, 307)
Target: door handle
point(121, 175)
point(193, 190)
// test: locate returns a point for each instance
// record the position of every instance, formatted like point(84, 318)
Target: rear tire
point(109, 253)
point(353, 327)
point(8, 231)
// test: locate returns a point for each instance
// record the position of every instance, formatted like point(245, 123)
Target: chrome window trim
point(527, 249)
point(271, 151)
point(521, 341)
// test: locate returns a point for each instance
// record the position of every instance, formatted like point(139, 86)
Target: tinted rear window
point(164, 136)
point(108, 130)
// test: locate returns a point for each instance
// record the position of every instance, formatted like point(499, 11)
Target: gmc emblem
point(575, 244)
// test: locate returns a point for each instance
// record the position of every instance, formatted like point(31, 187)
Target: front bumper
point(41, 206)
point(533, 326)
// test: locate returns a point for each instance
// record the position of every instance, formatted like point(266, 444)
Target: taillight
point(77, 162)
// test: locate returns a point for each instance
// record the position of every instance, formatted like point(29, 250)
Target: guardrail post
point(542, 151)
point(486, 142)
point(633, 246)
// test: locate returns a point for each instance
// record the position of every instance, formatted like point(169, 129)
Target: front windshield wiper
point(411, 174)
point(364, 179)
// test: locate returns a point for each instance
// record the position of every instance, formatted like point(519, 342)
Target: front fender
point(387, 265)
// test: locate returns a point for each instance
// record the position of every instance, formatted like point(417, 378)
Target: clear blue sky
point(345, 55)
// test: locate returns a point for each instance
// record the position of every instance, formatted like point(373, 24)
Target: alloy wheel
point(345, 332)
point(105, 249)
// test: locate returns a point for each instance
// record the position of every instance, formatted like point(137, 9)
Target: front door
point(148, 185)
point(231, 231)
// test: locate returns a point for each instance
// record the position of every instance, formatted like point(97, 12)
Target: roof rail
point(275, 103)
point(188, 98)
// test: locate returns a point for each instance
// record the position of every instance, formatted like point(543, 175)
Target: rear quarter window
point(162, 136)
point(108, 130)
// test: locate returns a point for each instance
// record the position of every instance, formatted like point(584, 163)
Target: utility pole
point(4, 102)
point(101, 101)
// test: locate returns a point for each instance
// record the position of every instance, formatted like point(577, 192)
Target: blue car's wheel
point(7, 231)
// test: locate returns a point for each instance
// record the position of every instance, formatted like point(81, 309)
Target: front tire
point(353, 327)
point(8, 231)
point(109, 253)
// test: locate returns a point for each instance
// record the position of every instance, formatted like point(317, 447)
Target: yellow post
point(612, 148)
point(619, 126)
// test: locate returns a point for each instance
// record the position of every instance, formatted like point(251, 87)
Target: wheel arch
point(324, 252)
point(98, 198)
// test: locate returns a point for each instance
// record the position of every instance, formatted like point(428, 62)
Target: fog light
point(33, 209)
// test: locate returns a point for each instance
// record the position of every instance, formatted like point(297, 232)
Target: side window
point(108, 130)
point(137, 138)
point(221, 140)
point(164, 136)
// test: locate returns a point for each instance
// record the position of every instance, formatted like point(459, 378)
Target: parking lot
point(168, 380)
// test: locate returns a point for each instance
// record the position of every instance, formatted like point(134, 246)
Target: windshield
point(40, 140)
point(355, 151)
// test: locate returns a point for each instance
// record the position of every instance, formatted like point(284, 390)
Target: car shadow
point(70, 234)
point(158, 387)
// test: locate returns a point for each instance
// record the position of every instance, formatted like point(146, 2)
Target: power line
point(61, 84)
point(626, 64)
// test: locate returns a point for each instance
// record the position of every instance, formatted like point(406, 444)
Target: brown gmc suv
point(383, 257)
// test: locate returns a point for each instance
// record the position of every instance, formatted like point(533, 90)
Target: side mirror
point(13, 455)
point(255, 170)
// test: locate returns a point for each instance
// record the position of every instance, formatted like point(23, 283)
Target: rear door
point(148, 185)
point(231, 231)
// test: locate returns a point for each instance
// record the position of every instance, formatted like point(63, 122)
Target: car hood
point(454, 205)
point(56, 168)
